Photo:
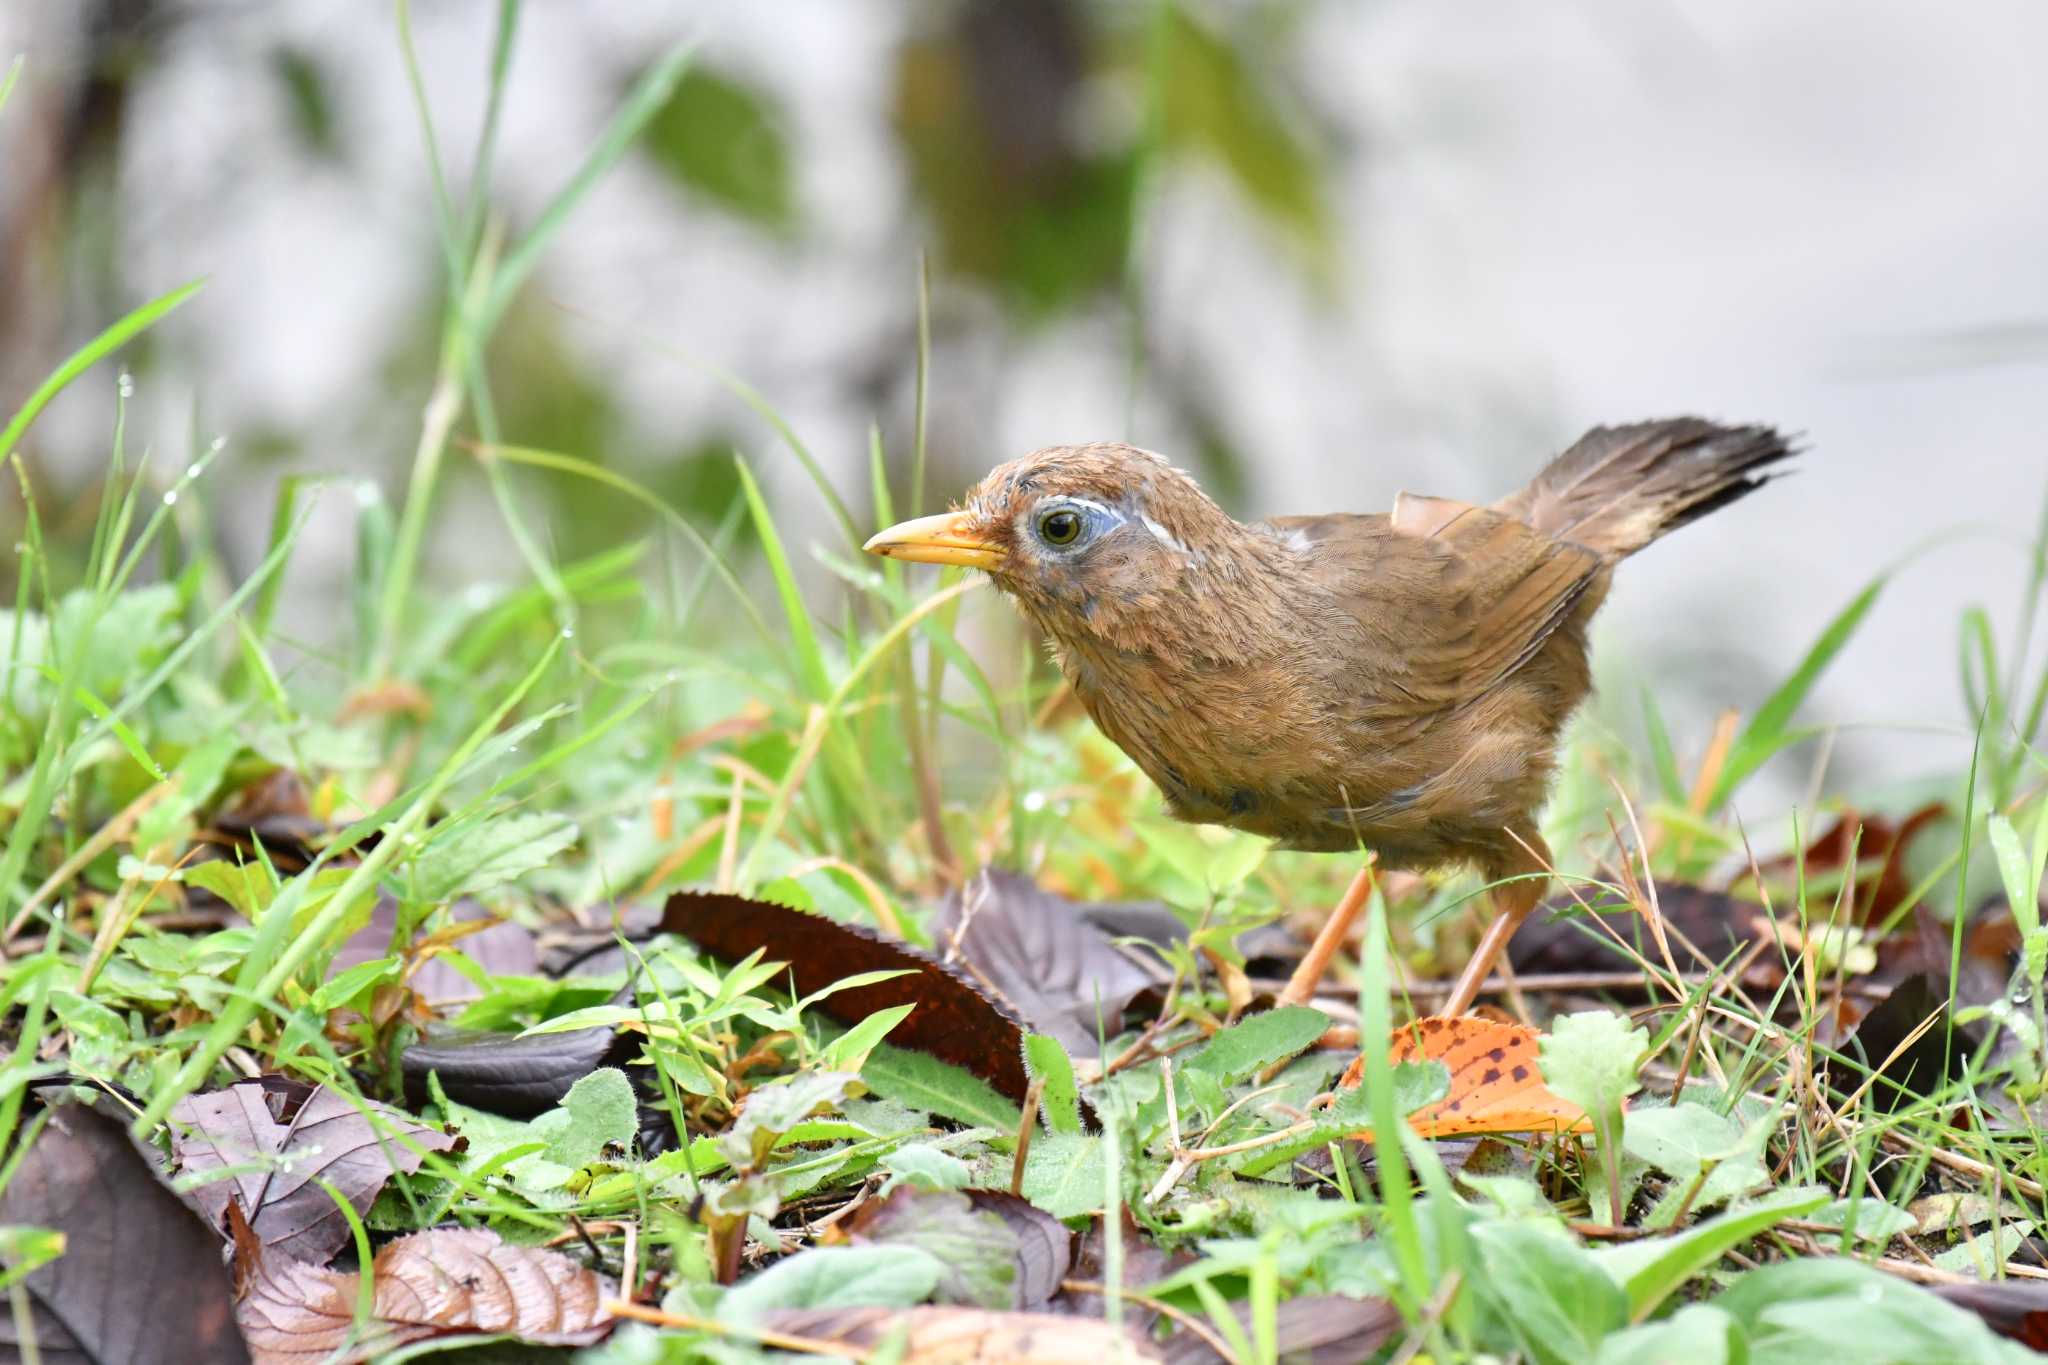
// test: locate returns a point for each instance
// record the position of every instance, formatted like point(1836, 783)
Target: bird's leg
point(1512, 902)
point(1301, 987)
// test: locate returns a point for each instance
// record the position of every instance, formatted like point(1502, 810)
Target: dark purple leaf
point(955, 1020)
point(140, 1278)
point(1059, 973)
point(276, 1162)
point(505, 1074)
point(999, 1251)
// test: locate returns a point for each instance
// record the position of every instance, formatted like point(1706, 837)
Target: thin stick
point(1180, 1316)
point(781, 1341)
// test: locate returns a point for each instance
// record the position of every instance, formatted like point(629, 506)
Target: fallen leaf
point(140, 1277)
point(954, 1021)
point(1496, 1084)
point(998, 1250)
point(1145, 1263)
point(1042, 956)
point(967, 1336)
point(450, 1282)
point(1568, 940)
point(1874, 839)
point(505, 1074)
point(1311, 1329)
point(2011, 1308)
point(1923, 1065)
point(277, 1162)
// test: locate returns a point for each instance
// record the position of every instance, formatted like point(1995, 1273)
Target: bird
point(1387, 684)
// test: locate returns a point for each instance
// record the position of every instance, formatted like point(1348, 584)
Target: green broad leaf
point(1697, 1334)
point(925, 1167)
point(1258, 1041)
point(1984, 1255)
point(1554, 1295)
point(1591, 1059)
point(1681, 1139)
point(598, 1112)
point(1649, 1271)
point(2016, 870)
point(723, 139)
point(1059, 1100)
point(24, 1248)
point(1415, 1085)
point(931, 1086)
point(470, 857)
point(836, 1277)
point(849, 1051)
point(347, 986)
point(1874, 1221)
point(773, 1110)
point(976, 1246)
point(1833, 1308)
point(1063, 1174)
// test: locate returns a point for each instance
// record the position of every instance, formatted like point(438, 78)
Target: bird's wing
point(1458, 596)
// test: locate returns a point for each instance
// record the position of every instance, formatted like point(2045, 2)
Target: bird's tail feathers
point(1619, 488)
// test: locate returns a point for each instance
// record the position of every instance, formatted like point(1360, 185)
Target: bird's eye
point(1060, 526)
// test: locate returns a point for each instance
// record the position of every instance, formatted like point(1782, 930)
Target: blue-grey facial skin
point(1109, 538)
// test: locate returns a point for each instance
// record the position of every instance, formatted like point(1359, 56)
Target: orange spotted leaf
point(1496, 1085)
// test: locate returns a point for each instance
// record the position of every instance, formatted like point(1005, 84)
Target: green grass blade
point(1766, 732)
point(810, 656)
point(1669, 782)
point(646, 97)
point(271, 962)
point(597, 473)
point(89, 355)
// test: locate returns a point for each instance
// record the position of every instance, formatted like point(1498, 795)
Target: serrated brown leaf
point(955, 1020)
point(968, 1336)
point(449, 1282)
point(140, 1277)
point(277, 1159)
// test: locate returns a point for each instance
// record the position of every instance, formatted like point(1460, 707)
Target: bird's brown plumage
point(1394, 682)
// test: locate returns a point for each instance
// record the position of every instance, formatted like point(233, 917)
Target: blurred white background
point(1525, 220)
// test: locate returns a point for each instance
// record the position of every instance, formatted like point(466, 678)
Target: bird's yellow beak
point(943, 539)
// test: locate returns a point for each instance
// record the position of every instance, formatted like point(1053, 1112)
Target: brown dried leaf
point(954, 1021)
point(449, 1282)
point(277, 1153)
point(1040, 953)
point(967, 1336)
point(140, 1277)
point(1315, 1329)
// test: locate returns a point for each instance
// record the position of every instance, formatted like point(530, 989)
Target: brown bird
point(1393, 683)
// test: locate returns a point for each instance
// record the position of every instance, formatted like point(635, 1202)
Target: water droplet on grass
point(171, 498)
point(127, 384)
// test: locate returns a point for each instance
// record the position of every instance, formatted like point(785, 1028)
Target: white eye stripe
point(1093, 507)
point(1164, 536)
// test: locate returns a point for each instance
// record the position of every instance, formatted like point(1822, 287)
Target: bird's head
point(1086, 538)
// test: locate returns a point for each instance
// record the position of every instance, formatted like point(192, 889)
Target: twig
point(1432, 1313)
point(781, 1341)
point(1179, 1316)
point(1030, 1121)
